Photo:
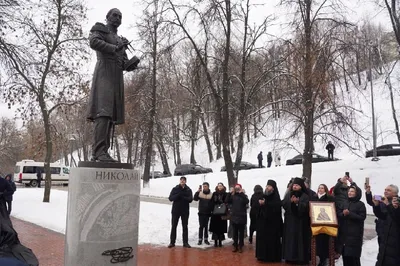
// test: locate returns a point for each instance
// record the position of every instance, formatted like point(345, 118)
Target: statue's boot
point(101, 143)
point(105, 157)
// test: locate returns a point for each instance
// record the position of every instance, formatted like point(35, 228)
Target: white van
point(25, 173)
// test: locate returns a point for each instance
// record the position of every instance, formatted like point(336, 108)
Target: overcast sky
point(131, 12)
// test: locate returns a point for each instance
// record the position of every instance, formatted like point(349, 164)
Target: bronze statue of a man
point(106, 100)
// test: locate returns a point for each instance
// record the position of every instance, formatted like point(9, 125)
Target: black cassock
point(297, 230)
point(269, 229)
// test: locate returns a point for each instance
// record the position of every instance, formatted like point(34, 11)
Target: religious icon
point(323, 213)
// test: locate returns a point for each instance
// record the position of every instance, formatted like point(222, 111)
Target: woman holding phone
point(353, 216)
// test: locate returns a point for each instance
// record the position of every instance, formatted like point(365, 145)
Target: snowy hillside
point(275, 132)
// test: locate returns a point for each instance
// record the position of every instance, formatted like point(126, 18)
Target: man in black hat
point(181, 196)
point(297, 232)
point(106, 99)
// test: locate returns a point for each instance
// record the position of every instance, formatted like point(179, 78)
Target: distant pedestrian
point(203, 196)
point(38, 176)
point(277, 159)
point(269, 159)
point(9, 196)
point(5, 189)
point(330, 148)
point(181, 196)
point(260, 159)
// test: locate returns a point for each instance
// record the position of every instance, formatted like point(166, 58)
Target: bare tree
point(45, 62)
point(153, 31)
point(221, 13)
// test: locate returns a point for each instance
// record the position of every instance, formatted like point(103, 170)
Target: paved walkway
point(49, 248)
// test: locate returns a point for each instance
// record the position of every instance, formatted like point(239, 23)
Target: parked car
point(191, 169)
point(385, 150)
point(243, 166)
point(158, 174)
point(316, 158)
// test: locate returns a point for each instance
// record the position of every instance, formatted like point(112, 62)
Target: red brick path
point(49, 248)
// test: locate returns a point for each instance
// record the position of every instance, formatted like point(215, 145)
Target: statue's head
point(114, 17)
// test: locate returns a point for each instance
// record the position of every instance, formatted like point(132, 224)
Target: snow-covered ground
point(154, 223)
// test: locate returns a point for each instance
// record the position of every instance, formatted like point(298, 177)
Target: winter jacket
point(238, 209)
point(389, 250)
point(269, 157)
point(204, 199)
point(260, 157)
point(341, 197)
point(255, 205)
point(379, 223)
point(330, 147)
point(181, 198)
point(5, 188)
point(353, 226)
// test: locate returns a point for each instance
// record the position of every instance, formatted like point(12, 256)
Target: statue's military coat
point(107, 93)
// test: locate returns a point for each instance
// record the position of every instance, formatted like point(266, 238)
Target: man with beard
point(269, 225)
point(297, 230)
point(106, 99)
point(203, 196)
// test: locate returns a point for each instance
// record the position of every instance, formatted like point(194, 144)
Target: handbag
point(219, 209)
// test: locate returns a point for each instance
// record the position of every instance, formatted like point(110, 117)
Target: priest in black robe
point(269, 225)
point(297, 230)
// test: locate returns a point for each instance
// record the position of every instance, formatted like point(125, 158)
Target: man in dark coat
point(238, 201)
point(353, 216)
point(297, 230)
point(9, 195)
point(260, 159)
point(330, 148)
point(181, 196)
point(269, 225)
point(38, 176)
point(269, 159)
point(106, 100)
point(203, 196)
point(389, 249)
point(379, 223)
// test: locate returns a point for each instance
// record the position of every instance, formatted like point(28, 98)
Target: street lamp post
point(374, 153)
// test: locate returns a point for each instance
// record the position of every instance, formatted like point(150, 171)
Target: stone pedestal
point(103, 215)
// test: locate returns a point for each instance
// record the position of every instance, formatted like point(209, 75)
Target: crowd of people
point(288, 237)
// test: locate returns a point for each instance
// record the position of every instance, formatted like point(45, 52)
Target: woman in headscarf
point(296, 230)
point(218, 226)
point(322, 240)
point(254, 209)
point(269, 225)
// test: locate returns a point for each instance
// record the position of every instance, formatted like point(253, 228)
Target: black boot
point(220, 243)
point(206, 242)
point(215, 243)
point(200, 241)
